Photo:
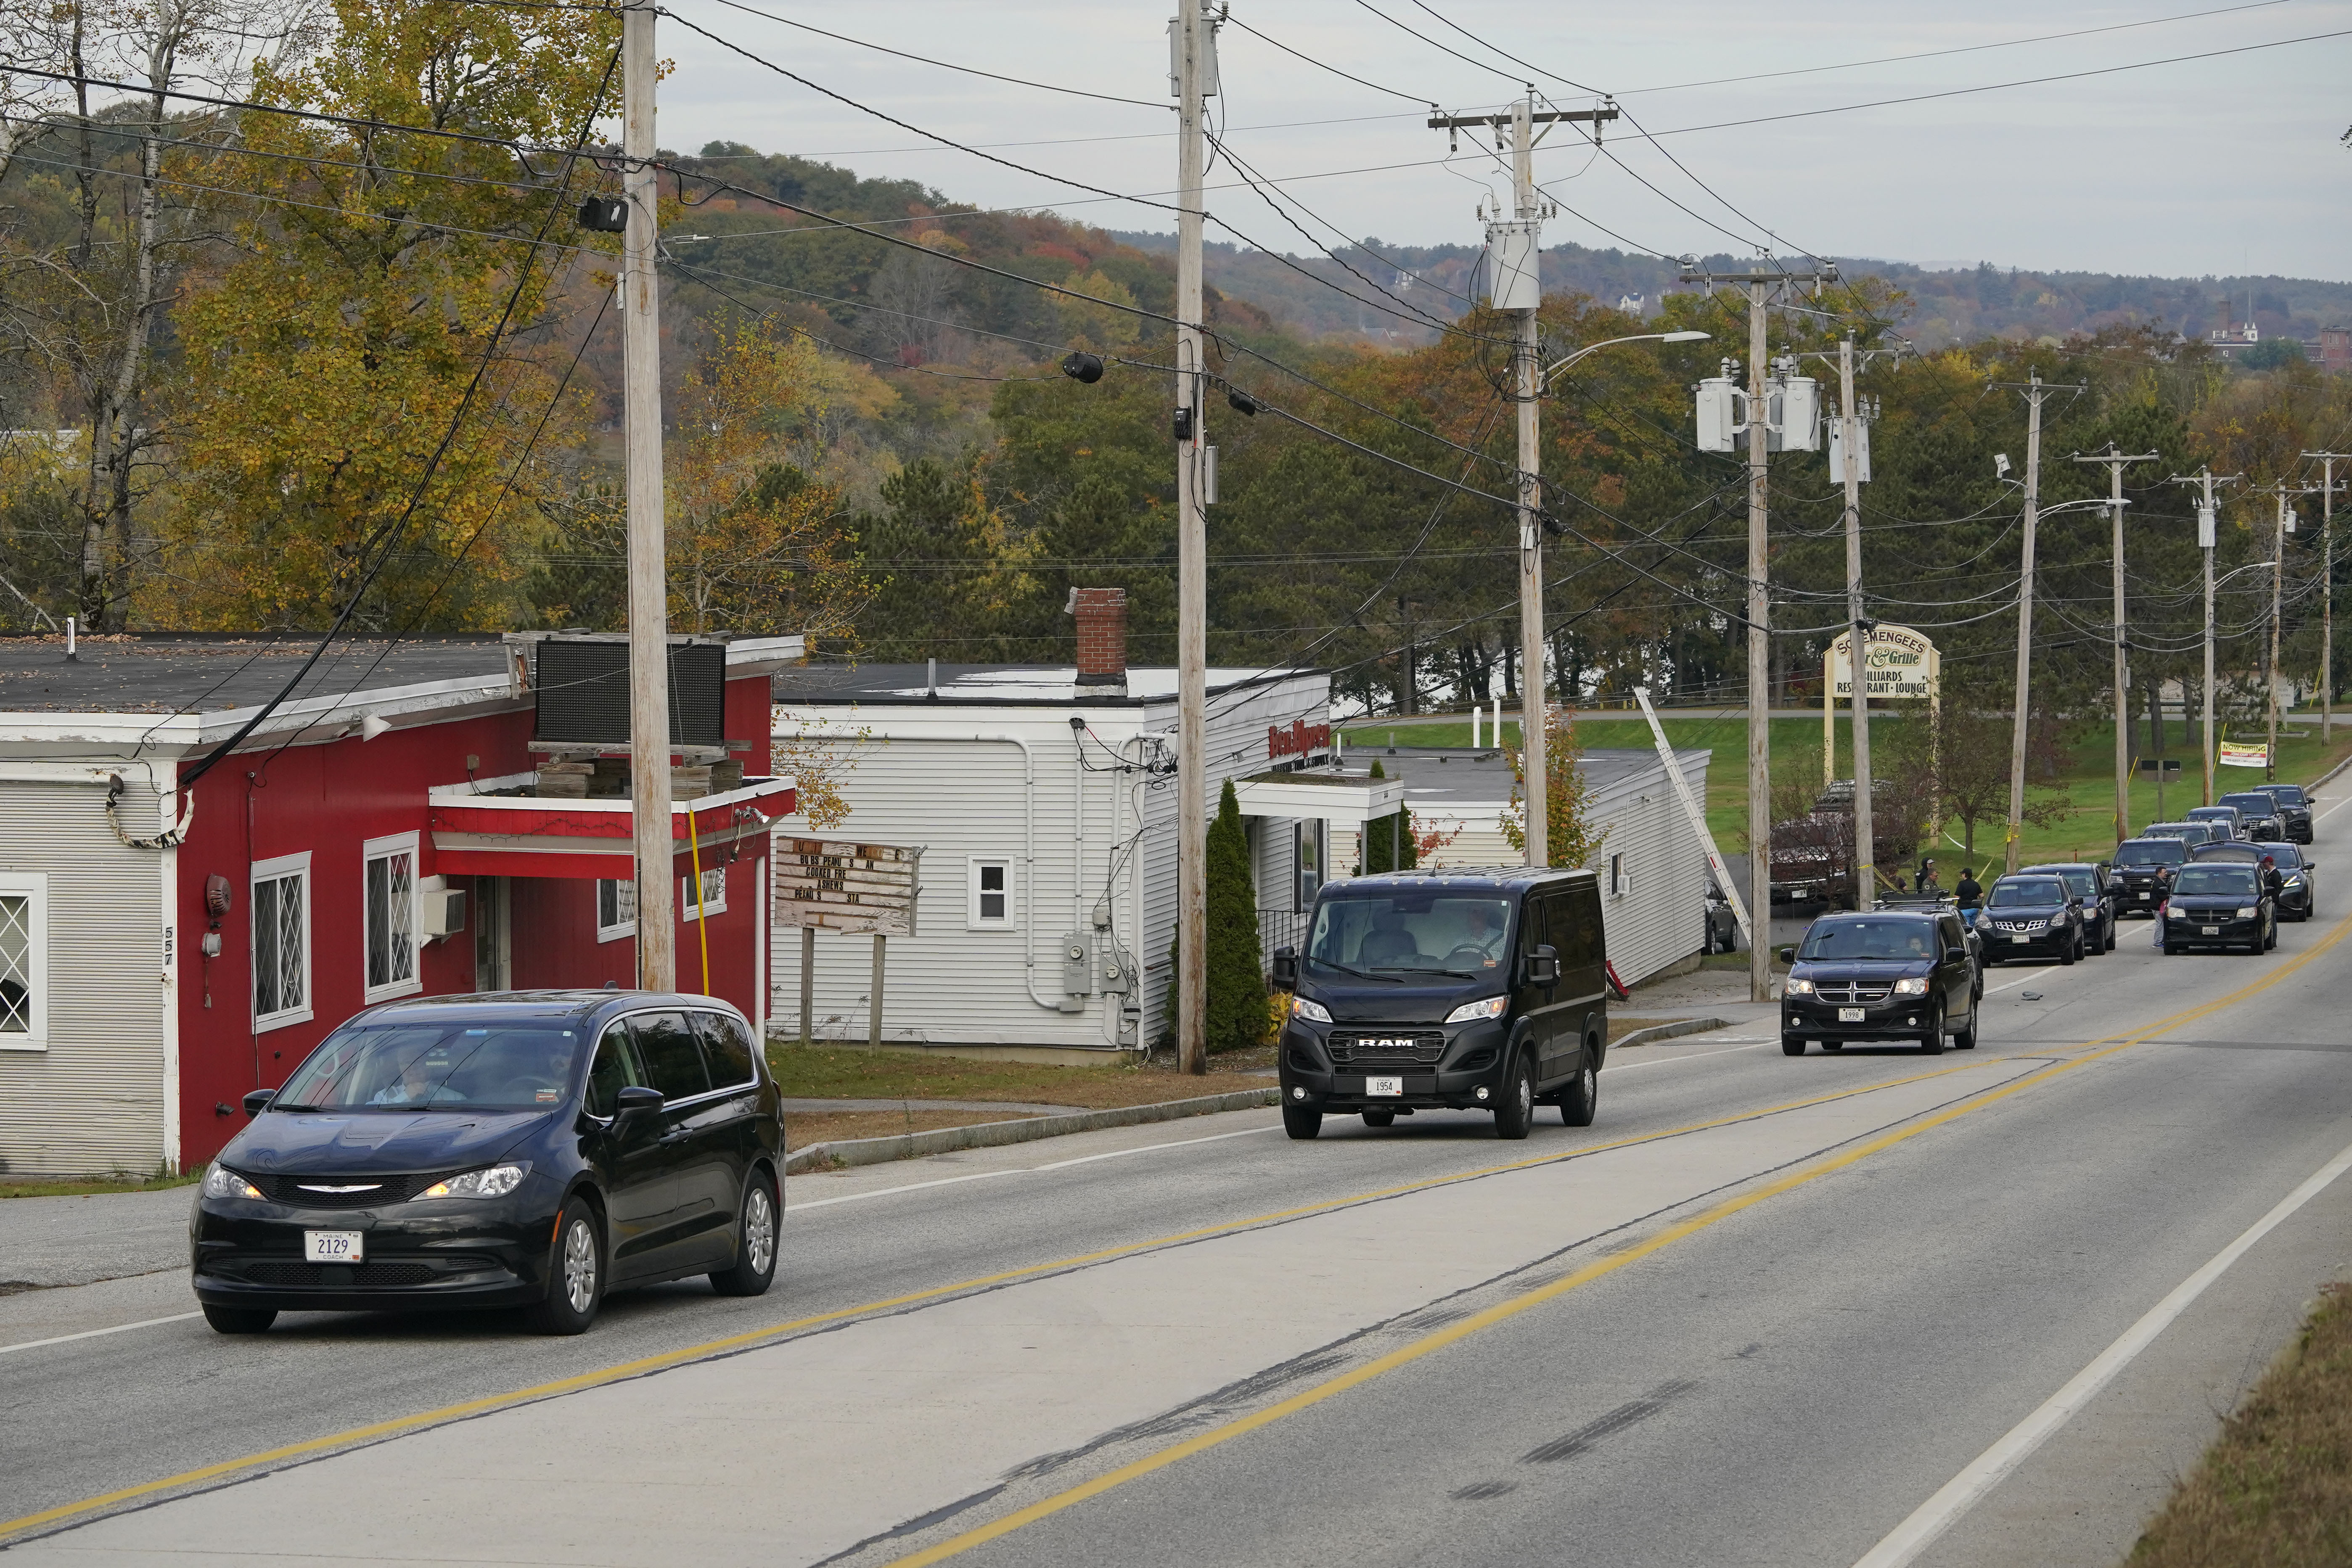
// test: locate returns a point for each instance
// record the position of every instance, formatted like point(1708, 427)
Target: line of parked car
point(1913, 968)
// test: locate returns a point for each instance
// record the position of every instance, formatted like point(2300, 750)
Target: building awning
point(1345, 799)
point(477, 833)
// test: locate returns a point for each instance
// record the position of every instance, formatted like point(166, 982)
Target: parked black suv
point(527, 1149)
point(2228, 818)
point(2142, 871)
point(2101, 899)
point(2296, 893)
point(1889, 974)
point(2259, 814)
point(2031, 917)
point(1461, 989)
point(2220, 904)
point(2293, 809)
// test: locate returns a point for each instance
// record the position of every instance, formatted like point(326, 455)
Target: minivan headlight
point(2248, 912)
point(1915, 986)
point(1798, 987)
point(1313, 1012)
point(1470, 1012)
point(220, 1182)
point(495, 1182)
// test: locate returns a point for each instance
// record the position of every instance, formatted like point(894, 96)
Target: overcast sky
point(2222, 164)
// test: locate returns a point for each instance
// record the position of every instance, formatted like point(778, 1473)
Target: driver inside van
point(1481, 932)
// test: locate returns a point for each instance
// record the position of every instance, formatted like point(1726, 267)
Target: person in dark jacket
point(1968, 890)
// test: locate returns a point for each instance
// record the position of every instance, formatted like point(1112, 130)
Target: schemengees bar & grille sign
point(830, 884)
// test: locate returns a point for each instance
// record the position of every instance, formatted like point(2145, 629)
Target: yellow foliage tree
point(378, 285)
point(1569, 835)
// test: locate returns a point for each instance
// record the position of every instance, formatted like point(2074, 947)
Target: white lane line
point(1695, 1056)
point(2021, 980)
point(2332, 810)
point(1024, 1169)
point(1990, 1468)
point(93, 1334)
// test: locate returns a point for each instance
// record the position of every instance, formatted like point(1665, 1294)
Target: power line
point(925, 59)
point(1325, 64)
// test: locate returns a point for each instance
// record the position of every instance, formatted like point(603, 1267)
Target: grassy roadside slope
point(2275, 1489)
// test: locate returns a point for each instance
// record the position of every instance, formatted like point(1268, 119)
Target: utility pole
point(649, 748)
point(2328, 590)
point(1758, 283)
point(1193, 41)
point(2285, 526)
point(1518, 286)
point(2116, 461)
point(2208, 530)
point(2036, 395)
point(1865, 872)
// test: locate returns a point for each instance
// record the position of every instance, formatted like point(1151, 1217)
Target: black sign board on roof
point(583, 686)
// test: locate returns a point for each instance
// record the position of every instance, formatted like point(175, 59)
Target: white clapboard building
point(1043, 801)
point(1652, 867)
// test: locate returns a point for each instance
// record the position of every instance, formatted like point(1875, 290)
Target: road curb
point(991, 1134)
point(1656, 1032)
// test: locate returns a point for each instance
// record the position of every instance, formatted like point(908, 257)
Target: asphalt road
point(1760, 1312)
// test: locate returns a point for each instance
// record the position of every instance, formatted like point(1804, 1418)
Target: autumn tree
point(1572, 837)
point(370, 374)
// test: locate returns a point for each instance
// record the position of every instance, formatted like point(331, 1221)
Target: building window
point(1621, 880)
point(988, 903)
point(281, 941)
point(616, 909)
point(24, 960)
point(389, 906)
point(714, 893)
point(1309, 841)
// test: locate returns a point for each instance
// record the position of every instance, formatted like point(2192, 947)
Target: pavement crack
point(1207, 1410)
point(1630, 1414)
point(914, 1526)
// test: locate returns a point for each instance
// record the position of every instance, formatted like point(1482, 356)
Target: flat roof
point(1439, 775)
point(171, 672)
point(996, 684)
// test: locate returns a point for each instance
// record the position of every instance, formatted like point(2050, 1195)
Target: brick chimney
point(1102, 637)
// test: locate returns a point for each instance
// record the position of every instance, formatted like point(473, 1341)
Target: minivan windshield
point(2213, 879)
point(1862, 937)
point(437, 1066)
point(2151, 852)
point(1394, 934)
point(2009, 895)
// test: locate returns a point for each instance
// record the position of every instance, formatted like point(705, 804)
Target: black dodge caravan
point(1460, 989)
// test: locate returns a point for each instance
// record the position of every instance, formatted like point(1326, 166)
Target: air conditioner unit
point(444, 911)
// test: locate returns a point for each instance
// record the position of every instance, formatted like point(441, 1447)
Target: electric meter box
point(1513, 282)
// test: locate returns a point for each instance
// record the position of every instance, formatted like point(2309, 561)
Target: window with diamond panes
point(17, 976)
point(281, 945)
point(392, 921)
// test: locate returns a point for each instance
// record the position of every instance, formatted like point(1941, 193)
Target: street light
point(1683, 337)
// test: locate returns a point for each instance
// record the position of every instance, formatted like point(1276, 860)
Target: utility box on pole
point(1514, 282)
point(1796, 422)
point(1721, 417)
point(1861, 450)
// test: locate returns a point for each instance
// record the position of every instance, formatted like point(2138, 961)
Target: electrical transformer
point(1720, 422)
point(1796, 418)
point(1513, 281)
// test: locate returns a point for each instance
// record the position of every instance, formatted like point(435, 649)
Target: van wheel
point(1580, 1099)
point(755, 1243)
point(1792, 1044)
point(1932, 1040)
point(575, 1275)
point(1302, 1120)
point(1380, 1119)
point(1515, 1117)
point(1964, 1038)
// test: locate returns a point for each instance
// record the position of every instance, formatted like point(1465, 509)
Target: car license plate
point(1384, 1086)
point(2143, 898)
point(1849, 1015)
point(2020, 940)
point(333, 1245)
point(2211, 931)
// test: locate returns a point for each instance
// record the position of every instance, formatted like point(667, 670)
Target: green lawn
point(2087, 833)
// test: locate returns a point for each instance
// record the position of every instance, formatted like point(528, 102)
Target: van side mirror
point(1285, 969)
point(634, 1104)
point(1787, 955)
point(256, 1100)
point(1543, 968)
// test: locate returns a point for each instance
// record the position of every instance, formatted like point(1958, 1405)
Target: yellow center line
point(1437, 1340)
point(733, 1342)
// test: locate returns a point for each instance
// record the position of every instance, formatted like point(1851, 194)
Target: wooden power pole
point(2116, 461)
point(649, 747)
point(1193, 40)
point(2328, 590)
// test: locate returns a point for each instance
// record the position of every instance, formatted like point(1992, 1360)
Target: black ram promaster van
point(1461, 989)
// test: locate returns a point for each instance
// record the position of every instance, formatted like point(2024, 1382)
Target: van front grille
point(1414, 1047)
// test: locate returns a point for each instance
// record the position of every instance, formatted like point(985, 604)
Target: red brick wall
point(1102, 630)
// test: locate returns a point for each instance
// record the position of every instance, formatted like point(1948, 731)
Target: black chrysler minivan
point(523, 1149)
point(1461, 989)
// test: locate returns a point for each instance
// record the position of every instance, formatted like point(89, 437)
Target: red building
point(392, 829)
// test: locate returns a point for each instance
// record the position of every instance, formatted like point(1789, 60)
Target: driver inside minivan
point(1437, 935)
